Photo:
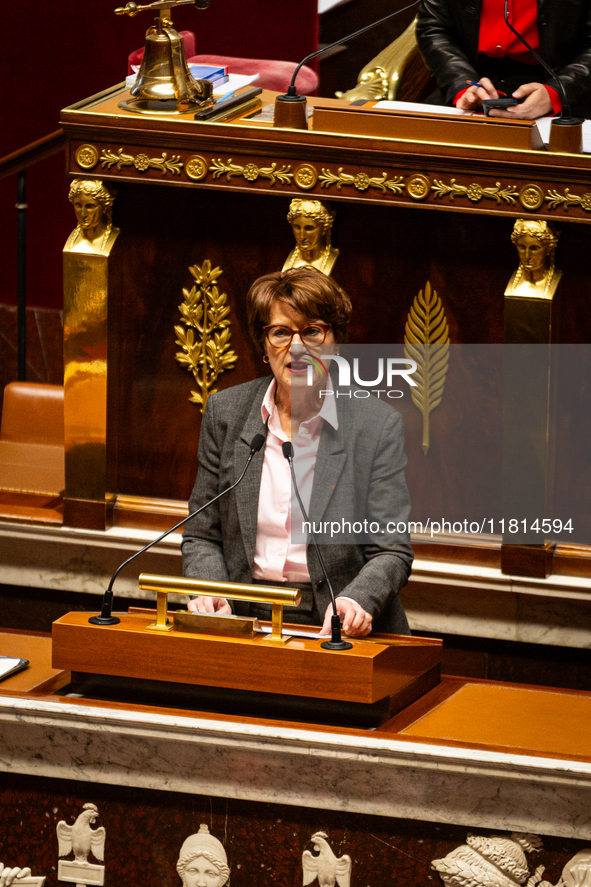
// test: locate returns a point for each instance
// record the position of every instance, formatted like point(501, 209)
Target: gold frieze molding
point(434, 187)
point(361, 181)
point(141, 161)
point(419, 187)
point(566, 200)
point(251, 172)
point(530, 196)
point(474, 191)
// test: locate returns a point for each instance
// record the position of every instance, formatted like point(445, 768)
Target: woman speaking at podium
point(348, 460)
point(467, 41)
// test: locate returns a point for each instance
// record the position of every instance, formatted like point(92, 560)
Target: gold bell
point(164, 82)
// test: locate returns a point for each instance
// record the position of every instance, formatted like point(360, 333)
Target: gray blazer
point(359, 473)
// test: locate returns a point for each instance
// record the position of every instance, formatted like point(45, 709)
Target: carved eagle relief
point(326, 867)
point(80, 838)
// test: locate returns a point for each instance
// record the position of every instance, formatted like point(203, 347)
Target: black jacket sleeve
point(448, 42)
point(447, 36)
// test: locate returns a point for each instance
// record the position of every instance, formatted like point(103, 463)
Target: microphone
point(290, 109)
point(575, 136)
point(336, 642)
point(106, 617)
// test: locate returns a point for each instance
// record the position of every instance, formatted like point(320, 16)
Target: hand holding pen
point(472, 99)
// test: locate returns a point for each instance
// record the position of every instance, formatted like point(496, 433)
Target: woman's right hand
point(472, 99)
point(210, 605)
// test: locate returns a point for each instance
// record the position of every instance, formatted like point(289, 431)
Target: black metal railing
point(17, 164)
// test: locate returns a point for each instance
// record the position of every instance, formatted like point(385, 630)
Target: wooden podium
point(366, 684)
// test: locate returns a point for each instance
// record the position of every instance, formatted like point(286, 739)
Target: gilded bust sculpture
point(93, 205)
point(311, 222)
point(536, 276)
point(203, 861)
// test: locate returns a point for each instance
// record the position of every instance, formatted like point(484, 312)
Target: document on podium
point(420, 108)
point(10, 664)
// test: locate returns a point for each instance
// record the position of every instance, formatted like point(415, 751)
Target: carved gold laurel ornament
point(566, 200)
point(204, 310)
point(361, 181)
point(141, 161)
point(474, 191)
point(426, 341)
point(251, 171)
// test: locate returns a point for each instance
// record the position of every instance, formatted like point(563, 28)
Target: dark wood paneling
point(539, 664)
point(386, 257)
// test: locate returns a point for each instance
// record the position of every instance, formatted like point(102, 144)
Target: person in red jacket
point(468, 40)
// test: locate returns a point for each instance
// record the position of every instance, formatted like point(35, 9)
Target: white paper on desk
point(325, 5)
point(544, 124)
point(296, 633)
point(426, 109)
point(10, 664)
point(236, 81)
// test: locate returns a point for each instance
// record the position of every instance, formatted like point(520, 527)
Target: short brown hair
point(307, 290)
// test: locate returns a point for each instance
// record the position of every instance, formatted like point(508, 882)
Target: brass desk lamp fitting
point(276, 596)
point(164, 83)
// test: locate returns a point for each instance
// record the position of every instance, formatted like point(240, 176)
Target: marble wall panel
point(447, 608)
point(367, 773)
point(543, 620)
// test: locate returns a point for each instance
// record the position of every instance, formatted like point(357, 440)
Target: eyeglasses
point(281, 336)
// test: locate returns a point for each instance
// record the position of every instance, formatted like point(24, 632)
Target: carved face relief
point(202, 873)
point(309, 235)
point(89, 213)
point(533, 253)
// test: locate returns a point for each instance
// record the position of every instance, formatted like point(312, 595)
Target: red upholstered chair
point(274, 75)
point(32, 439)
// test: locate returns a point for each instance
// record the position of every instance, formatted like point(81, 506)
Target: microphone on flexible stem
point(290, 109)
point(106, 617)
point(566, 132)
point(336, 642)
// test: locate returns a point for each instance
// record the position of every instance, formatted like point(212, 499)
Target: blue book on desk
point(208, 72)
